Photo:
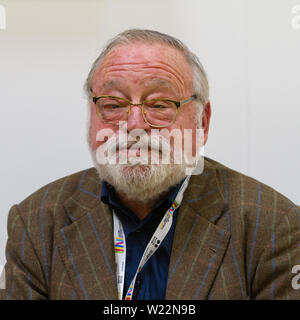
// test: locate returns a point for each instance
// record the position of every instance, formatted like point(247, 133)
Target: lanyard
point(154, 243)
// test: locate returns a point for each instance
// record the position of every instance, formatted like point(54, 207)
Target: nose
point(136, 119)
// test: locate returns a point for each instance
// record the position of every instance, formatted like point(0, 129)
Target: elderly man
point(129, 229)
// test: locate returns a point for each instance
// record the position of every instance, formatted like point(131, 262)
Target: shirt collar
point(108, 196)
point(108, 192)
point(128, 218)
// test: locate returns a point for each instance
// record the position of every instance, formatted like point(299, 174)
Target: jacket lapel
point(199, 245)
point(86, 245)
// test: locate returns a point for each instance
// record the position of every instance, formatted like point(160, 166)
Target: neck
point(140, 209)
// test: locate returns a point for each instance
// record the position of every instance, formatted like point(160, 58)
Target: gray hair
point(200, 83)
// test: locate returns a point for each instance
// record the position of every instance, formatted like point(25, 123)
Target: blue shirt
point(151, 282)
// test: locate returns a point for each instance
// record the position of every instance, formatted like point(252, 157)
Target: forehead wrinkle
point(160, 66)
point(150, 85)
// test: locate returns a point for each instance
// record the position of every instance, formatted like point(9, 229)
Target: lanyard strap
point(154, 243)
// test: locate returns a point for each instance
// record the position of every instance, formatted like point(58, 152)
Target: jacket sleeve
point(25, 279)
point(275, 276)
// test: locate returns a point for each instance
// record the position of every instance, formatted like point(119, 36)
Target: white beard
point(143, 183)
point(140, 181)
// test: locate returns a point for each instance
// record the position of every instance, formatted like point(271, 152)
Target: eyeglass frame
point(178, 104)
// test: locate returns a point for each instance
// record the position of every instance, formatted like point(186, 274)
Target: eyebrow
point(152, 83)
point(159, 83)
point(113, 84)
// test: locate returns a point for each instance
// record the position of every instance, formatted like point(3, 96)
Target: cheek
point(95, 126)
point(187, 120)
point(92, 128)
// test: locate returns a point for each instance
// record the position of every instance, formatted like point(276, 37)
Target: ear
point(206, 119)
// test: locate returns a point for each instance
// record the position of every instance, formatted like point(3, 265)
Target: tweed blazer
point(235, 238)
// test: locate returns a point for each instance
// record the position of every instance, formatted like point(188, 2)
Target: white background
point(249, 48)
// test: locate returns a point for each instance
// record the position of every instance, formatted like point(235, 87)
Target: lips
point(137, 151)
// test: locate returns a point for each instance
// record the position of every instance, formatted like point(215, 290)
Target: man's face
point(140, 72)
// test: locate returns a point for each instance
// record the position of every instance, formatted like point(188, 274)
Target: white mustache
point(158, 146)
point(154, 143)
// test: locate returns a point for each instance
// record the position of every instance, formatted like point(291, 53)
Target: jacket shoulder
point(52, 196)
point(242, 191)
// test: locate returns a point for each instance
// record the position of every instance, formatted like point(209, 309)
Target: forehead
point(139, 51)
point(144, 61)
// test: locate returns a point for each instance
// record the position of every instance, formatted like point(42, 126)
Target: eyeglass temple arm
point(193, 97)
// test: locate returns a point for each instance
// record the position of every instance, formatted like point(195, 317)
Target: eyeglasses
point(158, 113)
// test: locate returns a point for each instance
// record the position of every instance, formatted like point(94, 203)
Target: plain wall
point(249, 49)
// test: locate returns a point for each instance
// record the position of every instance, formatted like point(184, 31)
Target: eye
point(112, 106)
point(159, 106)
